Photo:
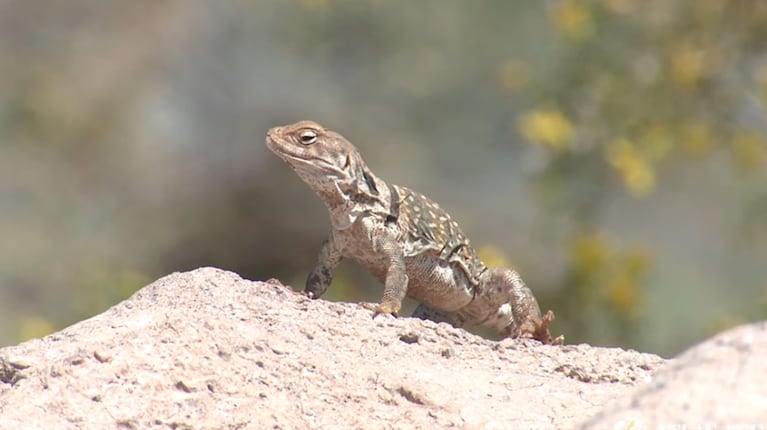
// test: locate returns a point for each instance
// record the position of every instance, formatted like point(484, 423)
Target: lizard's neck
point(353, 195)
point(367, 195)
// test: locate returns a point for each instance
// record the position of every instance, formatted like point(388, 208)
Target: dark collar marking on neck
point(393, 205)
point(371, 183)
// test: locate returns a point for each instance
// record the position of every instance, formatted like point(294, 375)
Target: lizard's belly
point(437, 284)
point(432, 281)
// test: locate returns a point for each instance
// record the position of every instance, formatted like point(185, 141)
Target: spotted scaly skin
point(404, 239)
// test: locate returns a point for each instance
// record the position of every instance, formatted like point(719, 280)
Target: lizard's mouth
point(300, 160)
point(314, 165)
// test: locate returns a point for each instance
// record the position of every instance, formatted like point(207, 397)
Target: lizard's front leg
point(319, 279)
point(395, 284)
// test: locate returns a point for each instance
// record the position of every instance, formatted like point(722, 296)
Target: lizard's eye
point(307, 136)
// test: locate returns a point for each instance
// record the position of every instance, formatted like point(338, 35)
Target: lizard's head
point(314, 152)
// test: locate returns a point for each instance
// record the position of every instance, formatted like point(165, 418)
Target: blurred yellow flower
point(589, 252)
point(493, 256)
point(573, 19)
point(749, 150)
point(656, 142)
point(614, 274)
point(622, 293)
point(637, 174)
point(688, 66)
point(548, 127)
point(696, 139)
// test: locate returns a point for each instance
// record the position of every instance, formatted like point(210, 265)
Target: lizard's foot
point(382, 308)
point(540, 330)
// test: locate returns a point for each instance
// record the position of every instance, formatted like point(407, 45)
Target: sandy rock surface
point(718, 384)
point(208, 350)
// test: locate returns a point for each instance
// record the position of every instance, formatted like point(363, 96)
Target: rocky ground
point(208, 350)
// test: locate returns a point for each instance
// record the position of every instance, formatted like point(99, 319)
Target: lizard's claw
point(541, 331)
point(386, 308)
point(309, 294)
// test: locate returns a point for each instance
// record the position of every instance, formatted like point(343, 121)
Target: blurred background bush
point(613, 151)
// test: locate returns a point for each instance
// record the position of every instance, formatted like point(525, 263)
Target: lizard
point(405, 240)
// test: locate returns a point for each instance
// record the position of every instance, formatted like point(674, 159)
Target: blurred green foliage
point(613, 151)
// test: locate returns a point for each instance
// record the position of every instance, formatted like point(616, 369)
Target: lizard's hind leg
point(510, 307)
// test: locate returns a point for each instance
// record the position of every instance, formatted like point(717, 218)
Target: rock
point(207, 349)
point(718, 384)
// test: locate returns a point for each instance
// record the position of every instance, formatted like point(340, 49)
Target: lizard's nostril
point(274, 132)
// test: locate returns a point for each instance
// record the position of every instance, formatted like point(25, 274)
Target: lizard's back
point(426, 228)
